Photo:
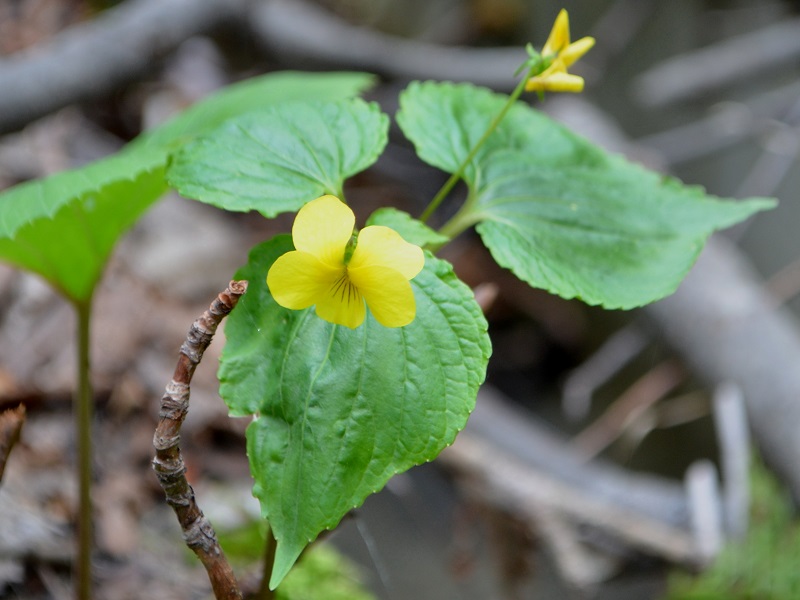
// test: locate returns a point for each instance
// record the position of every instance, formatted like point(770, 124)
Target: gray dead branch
point(510, 460)
point(762, 117)
point(123, 44)
point(696, 73)
point(618, 350)
point(298, 29)
point(728, 328)
point(702, 490)
point(730, 420)
point(94, 58)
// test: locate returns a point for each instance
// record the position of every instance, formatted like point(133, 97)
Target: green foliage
point(762, 566)
point(276, 160)
point(339, 411)
point(558, 211)
point(321, 572)
point(64, 227)
point(615, 235)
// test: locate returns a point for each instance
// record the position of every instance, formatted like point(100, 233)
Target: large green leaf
point(64, 227)
point(559, 212)
point(278, 159)
point(339, 411)
point(618, 236)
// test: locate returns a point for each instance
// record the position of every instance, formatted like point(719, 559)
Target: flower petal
point(388, 294)
point(322, 228)
point(555, 82)
point(559, 35)
point(298, 279)
point(576, 50)
point(342, 304)
point(382, 246)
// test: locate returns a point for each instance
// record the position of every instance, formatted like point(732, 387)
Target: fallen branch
point(586, 512)
point(651, 387)
point(96, 57)
point(618, 350)
point(168, 463)
point(728, 328)
point(725, 63)
point(299, 28)
point(515, 433)
point(519, 466)
point(733, 437)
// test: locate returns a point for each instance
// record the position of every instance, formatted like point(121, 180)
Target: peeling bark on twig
point(168, 463)
point(10, 426)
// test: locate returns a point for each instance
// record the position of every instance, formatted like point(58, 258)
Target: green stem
point(451, 182)
point(462, 220)
point(83, 409)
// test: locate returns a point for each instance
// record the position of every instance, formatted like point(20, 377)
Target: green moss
point(323, 574)
point(320, 574)
point(765, 565)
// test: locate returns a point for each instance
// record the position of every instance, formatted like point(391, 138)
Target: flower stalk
point(545, 72)
point(459, 173)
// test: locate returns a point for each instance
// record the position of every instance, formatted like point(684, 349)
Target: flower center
point(345, 289)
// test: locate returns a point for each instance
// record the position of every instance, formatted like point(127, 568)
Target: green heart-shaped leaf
point(276, 160)
point(618, 236)
point(65, 227)
point(338, 410)
point(562, 214)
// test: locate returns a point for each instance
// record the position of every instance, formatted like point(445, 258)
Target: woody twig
point(168, 464)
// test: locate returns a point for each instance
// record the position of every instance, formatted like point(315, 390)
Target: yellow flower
point(340, 270)
point(558, 49)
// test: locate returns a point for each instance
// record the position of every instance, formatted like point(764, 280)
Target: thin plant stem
point(83, 409)
point(459, 173)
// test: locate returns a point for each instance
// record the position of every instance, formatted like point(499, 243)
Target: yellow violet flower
point(563, 54)
point(340, 270)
